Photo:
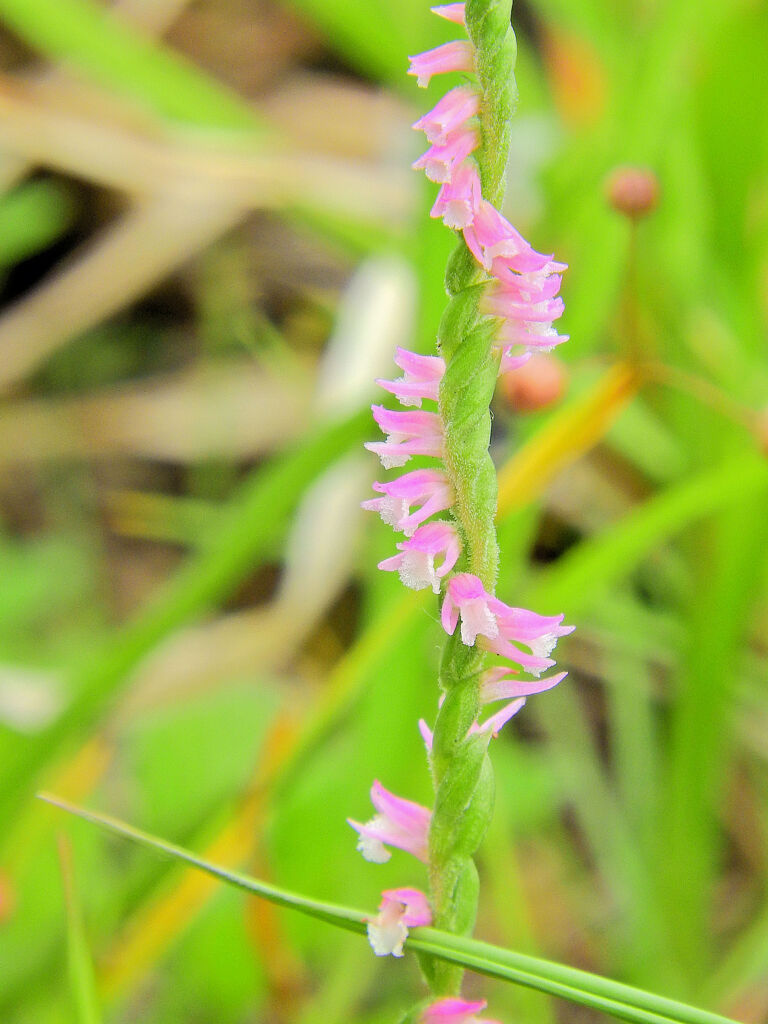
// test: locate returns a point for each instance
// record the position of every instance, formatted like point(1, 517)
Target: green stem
point(461, 769)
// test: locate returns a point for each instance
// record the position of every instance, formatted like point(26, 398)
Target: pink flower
point(517, 626)
point(428, 488)
point(439, 163)
point(456, 56)
point(455, 1011)
point(399, 910)
point(452, 112)
point(451, 12)
point(465, 596)
point(501, 626)
point(408, 433)
point(399, 823)
point(457, 200)
point(416, 562)
point(421, 377)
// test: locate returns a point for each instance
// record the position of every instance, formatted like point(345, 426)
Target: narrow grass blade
point(81, 976)
point(618, 1000)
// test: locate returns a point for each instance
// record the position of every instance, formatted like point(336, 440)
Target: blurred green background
point(210, 244)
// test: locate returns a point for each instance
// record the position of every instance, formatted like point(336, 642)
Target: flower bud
point(7, 901)
point(537, 384)
point(761, 431)
point(633, 191)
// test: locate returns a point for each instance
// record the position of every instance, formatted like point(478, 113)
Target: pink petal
point(455, 56)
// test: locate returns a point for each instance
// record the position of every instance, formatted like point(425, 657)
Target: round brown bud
point(633, 191)
point(6, 898)
point(761, 430)
point(534, 385)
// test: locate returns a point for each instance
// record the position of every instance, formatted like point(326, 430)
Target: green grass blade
point(87, 35)
point(622, 1001)
point(81, 977)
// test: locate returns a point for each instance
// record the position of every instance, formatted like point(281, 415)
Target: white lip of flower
point(417, 570)
point(477, 618)
point(543, 646)
point(391, 460)
point(387, 933)
point(393, 510)
point(372, 849)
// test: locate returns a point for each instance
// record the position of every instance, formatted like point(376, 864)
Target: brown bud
point(534, 385)
point(633, 191)
point(6, 898)
point(761, 430)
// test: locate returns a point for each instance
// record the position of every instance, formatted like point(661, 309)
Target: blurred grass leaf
point(85, 34)
point(81, 976)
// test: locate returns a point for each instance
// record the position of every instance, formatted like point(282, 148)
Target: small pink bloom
point(452, 112)
point(501, 626)
point(399, 823)
point(399, 910)
point(439, 163)
point(416, 563)
point(455, 1011)
point(421, 377)
point(456, 201)
point(498, 684)
point(451, 12)
point(430, 489)
point(518, 626)
point(408, 433)
point(456, 56)
point(465, 596)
